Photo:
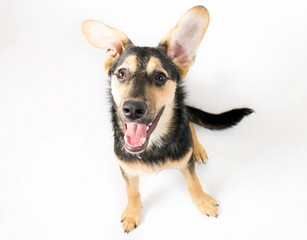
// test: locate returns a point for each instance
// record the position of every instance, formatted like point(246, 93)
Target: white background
point(58, 176)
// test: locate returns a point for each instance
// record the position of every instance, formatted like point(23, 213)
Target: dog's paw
point(131, 218)
point(207, 205)
point(200, 154)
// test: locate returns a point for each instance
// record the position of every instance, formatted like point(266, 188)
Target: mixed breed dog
point(153, 126)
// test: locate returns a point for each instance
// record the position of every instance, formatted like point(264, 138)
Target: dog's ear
point(101, 35)
point(182, 41)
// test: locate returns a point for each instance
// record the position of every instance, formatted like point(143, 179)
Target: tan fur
point(110, 60)
point(195, 12)
point(163, 126)
point(163, 97)
point(206, 204)
point(131, 217)
point(121, 91)
point(101, 35)
point(159, 97)
point(200, 155)
point(154, 64)
point(136, 167)
point(156, 98)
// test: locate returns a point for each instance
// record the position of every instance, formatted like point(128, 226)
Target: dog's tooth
point(147, 128)
point(143, 140)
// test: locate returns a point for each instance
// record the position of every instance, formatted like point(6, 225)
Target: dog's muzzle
point(137, 134)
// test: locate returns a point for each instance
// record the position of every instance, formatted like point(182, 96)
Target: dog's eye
point(122, 74)
point(160, 78)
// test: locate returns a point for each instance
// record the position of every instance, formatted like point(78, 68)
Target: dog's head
point(144, 79)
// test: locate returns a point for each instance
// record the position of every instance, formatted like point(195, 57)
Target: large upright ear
point(101, 35)
point(182, 41)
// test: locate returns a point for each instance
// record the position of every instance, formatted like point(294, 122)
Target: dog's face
point(144, 79)
point(143, 86)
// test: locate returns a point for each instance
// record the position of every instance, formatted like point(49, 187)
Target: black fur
point(178, 141)
point(143, 54)
point(191, 164)
point(175, 144)
point(217, 121)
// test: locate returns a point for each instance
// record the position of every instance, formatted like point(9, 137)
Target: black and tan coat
point(153, 127)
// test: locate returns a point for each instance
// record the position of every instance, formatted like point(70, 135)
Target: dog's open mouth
point(137, 135)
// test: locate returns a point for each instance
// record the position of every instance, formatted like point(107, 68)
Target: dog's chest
point(138, 166)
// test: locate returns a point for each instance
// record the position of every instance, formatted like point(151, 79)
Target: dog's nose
point(134, 109)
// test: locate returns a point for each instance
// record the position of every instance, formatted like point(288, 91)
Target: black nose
point(134, 109)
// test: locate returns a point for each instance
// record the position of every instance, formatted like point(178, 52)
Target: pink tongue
point(135, 134)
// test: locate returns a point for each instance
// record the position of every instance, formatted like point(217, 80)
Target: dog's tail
point(217, 121)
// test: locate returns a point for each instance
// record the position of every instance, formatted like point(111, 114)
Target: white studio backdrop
point(58, 176)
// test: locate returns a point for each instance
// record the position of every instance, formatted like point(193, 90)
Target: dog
point(153, 127)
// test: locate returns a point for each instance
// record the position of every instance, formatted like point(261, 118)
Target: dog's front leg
point(131, 217)
point(206, 204)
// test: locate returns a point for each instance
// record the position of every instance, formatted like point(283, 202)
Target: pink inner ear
point(114, 47)
point(180, 54)
point(183, 45)
point(185, 40)
point(112, 52)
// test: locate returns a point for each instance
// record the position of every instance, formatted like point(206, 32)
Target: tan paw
point(207, 205)
point(200, 154)
point(131, 218)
